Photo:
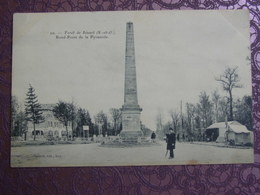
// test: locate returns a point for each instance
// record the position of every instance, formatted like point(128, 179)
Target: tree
point(116, 117)
point(215, 100)
point(64, 113)
point(166, 127)
point(190, 108)
point(73, 109)
point(230, 80)
point(205, 109)
point(14, 110)
point(83, 118)
point(175, 119)
point(19, 122)
point(159, 124)
point(146, 131)
point(223, 108)
point(102, 122)
point(197, 121)
point(33, 109)
point(243, 111)
point(20, 125)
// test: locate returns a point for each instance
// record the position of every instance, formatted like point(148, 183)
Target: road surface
point(94, 155)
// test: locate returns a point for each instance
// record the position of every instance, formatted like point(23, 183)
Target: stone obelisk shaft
point(130, 110)
point(130, 98)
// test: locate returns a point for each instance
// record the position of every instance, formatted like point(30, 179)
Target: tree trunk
point(34, 134)
point(217, 113)
point(231, 106)
point(72, 128)
point(67, 132)
point(115, 127)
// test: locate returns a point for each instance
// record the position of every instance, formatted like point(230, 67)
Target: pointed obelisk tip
point(129, 25)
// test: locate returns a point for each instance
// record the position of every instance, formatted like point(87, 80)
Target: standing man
point(153, 136)
point(171, 140)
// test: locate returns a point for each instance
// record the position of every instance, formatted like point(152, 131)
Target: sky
point(178, 55)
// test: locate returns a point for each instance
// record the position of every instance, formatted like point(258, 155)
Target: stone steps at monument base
point(133, 140)
point(129, 140)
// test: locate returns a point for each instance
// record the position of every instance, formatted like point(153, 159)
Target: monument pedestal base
point(131, 136)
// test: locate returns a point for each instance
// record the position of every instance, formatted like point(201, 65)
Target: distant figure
point(153, 136)
point(171, 140)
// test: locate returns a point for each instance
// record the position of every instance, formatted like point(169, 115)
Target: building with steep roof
point(51, 128)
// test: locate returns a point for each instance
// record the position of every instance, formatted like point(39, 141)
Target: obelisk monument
point(131, 111)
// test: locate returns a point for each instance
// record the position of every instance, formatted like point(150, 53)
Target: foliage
point(14, 111)
point(20, 125)
point(205, 109)
point(63, 111)
point(146, 131)
point(19, 122)
point(215, 99)
point(116, 115)
point(101, 121)
point(73, 109)
point(175, 119)
point(198, 118)
point(243, 111)
point(190, 110)
point(223, 109)
point(160, 131)
point(83, 118)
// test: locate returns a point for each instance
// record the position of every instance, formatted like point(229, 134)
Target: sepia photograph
point(131, 88)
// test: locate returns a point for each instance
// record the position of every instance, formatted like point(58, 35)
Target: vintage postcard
point(131, 88)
